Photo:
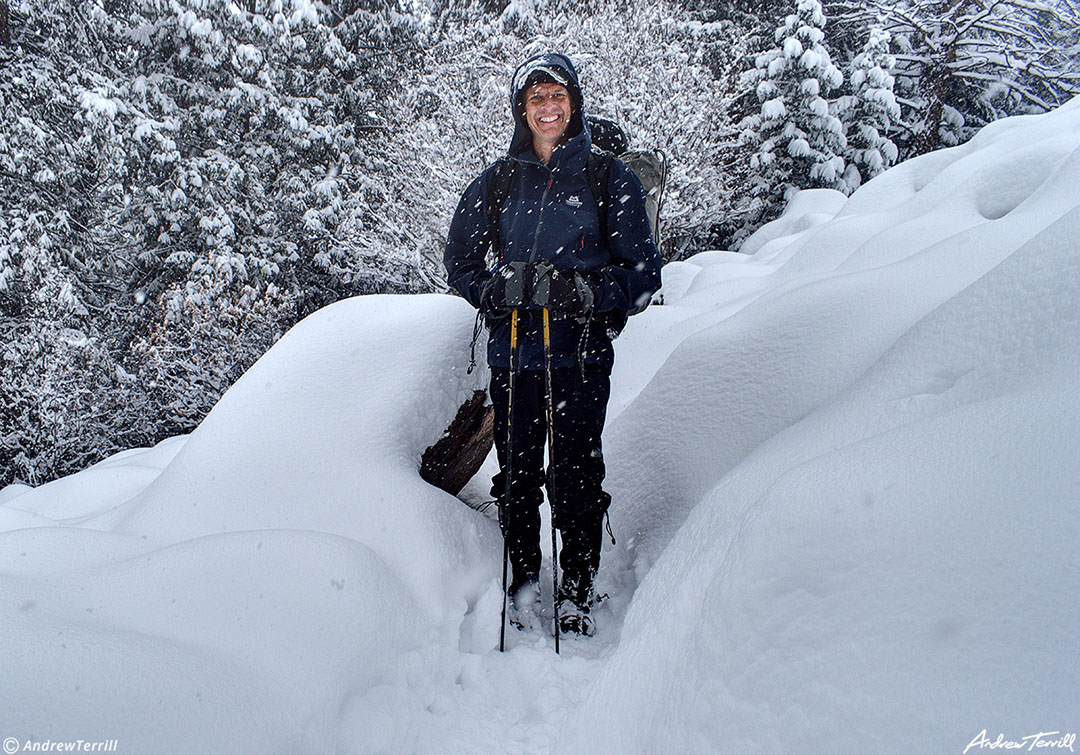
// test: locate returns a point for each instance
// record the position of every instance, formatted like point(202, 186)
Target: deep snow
point(846, 504)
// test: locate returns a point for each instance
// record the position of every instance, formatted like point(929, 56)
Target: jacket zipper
point(540, 218)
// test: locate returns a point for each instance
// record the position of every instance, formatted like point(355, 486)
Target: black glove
point(505, 290)
point(560, 291)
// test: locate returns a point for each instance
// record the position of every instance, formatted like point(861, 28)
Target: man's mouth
point(549, 118)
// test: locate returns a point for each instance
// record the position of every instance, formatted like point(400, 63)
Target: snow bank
point(751, 346)
point(325, 434)
point(252, 578)
point(878, 457)
point(909, 546)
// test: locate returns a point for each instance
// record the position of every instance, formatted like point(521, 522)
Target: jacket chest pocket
point(572, 220)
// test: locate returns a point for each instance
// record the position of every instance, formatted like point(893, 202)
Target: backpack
point(649, 165)
point(609, 142)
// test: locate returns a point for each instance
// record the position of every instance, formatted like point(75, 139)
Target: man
point(545, 235)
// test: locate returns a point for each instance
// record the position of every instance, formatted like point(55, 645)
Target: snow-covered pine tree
point(179, 176)
point(57, 158)
point(253, 146)
point(799, 142)
point(371, 51)
point(202, 166)
point(870, 112)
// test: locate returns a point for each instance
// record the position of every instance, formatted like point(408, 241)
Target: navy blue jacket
point(550, 214)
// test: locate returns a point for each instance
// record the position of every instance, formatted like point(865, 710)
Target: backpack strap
point(597, 168)
point(501, 177)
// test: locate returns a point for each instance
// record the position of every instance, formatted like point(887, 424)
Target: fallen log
point(453, 460)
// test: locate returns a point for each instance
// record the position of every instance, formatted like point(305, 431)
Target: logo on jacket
point(574, 201)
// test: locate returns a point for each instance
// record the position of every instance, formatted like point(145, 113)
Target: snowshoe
point(577, 599)
point(575, 620)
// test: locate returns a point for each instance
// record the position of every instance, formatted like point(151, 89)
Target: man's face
point(547, 111)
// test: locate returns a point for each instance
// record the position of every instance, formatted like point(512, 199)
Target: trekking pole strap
point(478, 325)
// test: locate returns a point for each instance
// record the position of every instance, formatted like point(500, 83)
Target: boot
point(525, 560)
point(576, 601)
point(523, 547)
point(521, 529)
point(524, 610)
point(579, 559)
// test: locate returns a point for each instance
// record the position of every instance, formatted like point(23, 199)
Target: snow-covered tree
point(798, 142)
point(871, 111)
point(176, 178)
point(964, 63)
point(55, 155)
point(254, 137)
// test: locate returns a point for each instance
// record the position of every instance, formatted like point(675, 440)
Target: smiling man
point(553, 245)
point(547, 113)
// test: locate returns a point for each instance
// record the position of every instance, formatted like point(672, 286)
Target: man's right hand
point(506, 289)
point(567, 292)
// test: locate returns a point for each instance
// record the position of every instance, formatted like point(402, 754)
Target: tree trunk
point(927, 139)
point(936, 95)
point(937, 88)
point(457, 455)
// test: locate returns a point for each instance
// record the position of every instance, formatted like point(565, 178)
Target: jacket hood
point(548, 66)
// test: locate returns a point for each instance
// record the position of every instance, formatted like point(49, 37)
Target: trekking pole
point(509, 466)
point(555, 601)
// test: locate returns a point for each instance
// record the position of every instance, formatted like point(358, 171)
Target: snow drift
point(845, 482)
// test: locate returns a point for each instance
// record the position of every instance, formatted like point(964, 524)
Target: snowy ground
point(847, 504)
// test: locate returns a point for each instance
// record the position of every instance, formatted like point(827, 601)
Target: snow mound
point(852, 490)
point(256, 575)
point(746, 347)
point(325, 433)
point(804, 210)
point(892, 550)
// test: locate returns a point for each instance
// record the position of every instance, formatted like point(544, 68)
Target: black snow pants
point(579, 501)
